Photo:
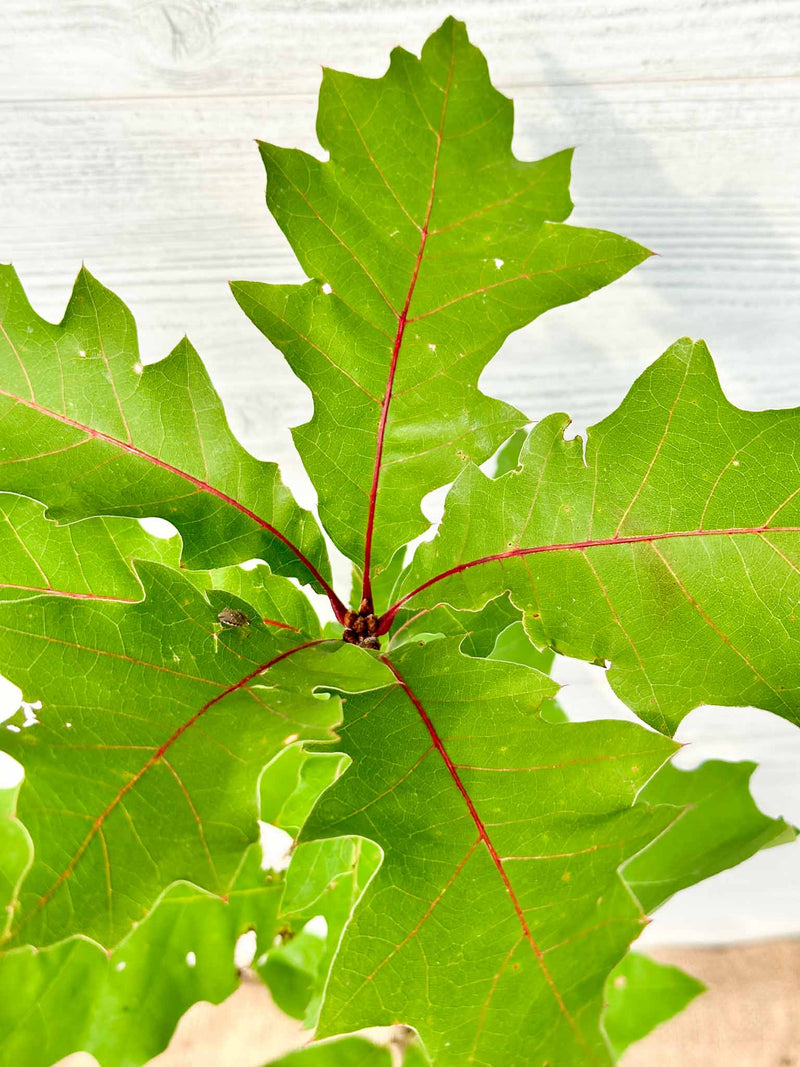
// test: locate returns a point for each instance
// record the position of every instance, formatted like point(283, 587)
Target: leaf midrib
point(398, 341)
point(495, 857)
point(156, 757)
point(203, 486)
point(579, 546)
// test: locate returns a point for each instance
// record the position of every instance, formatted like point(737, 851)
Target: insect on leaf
point(155, 724)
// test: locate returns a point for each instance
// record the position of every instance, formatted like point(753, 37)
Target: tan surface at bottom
point(749, 1018)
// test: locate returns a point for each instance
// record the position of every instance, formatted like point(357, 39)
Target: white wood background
point(127, 141)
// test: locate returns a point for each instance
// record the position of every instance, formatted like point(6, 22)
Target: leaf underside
point(123, 1006)
point(504, 894)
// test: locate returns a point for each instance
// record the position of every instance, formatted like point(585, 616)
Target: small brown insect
point(233, 617)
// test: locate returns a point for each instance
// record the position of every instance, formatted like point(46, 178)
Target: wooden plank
point(68, 48)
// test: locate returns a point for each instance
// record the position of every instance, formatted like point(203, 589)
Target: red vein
point(196, 816)
point(484, 836)
point(280, 625)
point(157, 757)
point(523, 277)
point(398, 342)
point(20, 360)
point(430, 910)
point(720, 633)
point(336, 603)
point(576, 546)
point(68, 593)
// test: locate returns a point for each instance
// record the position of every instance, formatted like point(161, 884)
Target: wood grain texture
point(128, 135)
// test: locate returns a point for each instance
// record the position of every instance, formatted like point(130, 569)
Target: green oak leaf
point(721, 826)
point(92, 558)
point(499, 895)
point(641, 994)
point(479, 630)
point(136, 440)
point(156, 722)
point(481, 864)
point(671, 551)
point(345, 1052)
point(15, 855)
point(508, 456)
point(325, 878)
point(427, 243)
point(123, 1007)
point(494, 632)
point(295, 780)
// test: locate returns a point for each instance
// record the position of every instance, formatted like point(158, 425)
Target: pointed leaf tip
point(425, 271)
point(670, 550)
point(154, 445)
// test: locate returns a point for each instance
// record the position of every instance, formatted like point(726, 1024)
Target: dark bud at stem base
point(360, 627)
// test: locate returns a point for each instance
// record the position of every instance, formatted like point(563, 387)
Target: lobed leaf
point(519, 852)
point(325, 879)
point(123, 1006)
point(671, 552)
point(156, 722)
point(137, 440)
point(641, 995)
point(721, 827)
point(428, 242)
point(84, 560)
point(499, 896)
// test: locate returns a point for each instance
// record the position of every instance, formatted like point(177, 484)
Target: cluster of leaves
point(481, 864)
